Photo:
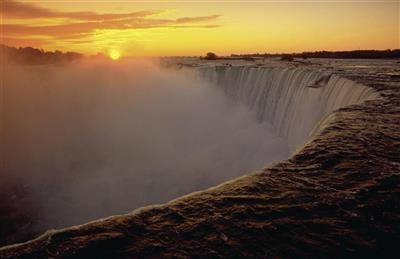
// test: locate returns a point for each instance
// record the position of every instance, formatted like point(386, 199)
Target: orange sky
point(149, 28)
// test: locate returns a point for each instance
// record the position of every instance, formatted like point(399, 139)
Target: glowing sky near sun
point(144, 28)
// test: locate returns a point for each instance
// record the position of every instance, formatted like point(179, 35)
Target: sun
point(114, 54)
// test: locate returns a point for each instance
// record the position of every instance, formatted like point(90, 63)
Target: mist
point(94, 139)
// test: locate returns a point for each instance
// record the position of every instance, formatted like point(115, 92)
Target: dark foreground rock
point(337, 197)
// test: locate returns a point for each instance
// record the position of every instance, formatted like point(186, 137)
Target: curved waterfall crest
point(293, 100)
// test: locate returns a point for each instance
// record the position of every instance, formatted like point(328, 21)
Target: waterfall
point(293, 100)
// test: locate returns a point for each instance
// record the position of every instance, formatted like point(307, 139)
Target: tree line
point(29, 55)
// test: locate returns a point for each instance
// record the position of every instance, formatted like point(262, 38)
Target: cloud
point(24, 10)
point(197, 19)
point(23, 42)
point(207, 26)
point(15, 9)
point(71, 29)
point(83, 24)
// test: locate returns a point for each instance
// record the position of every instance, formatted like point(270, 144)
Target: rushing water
point(293, 100)
point(97, 139)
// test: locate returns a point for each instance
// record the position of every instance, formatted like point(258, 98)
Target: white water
point(280, 96)
point(99, 139)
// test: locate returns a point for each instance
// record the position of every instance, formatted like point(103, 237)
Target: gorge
point(338, 189)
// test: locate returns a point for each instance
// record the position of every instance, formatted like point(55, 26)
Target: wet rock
point(339, 196)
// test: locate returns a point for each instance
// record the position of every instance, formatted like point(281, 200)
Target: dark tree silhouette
point(351, 54)
point(211, 56)
point(32, 56)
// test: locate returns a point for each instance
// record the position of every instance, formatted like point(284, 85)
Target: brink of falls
point(287, 97)
point(337, 196)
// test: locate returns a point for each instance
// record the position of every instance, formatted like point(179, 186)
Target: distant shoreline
point(29, 55)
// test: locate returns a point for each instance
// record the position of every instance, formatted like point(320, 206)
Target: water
point(97, 139)
point(102, 138)
point(283, 97)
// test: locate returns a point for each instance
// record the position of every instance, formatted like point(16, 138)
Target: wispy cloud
point(79, 25)
point(197, 19)
point(22, 10)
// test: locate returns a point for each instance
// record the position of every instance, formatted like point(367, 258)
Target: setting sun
point(165, 28)
point(114, 54)
point(199, 128)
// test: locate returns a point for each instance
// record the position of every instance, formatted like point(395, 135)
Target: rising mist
point(93, 139)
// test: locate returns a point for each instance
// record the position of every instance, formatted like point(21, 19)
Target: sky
point(171, 28)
